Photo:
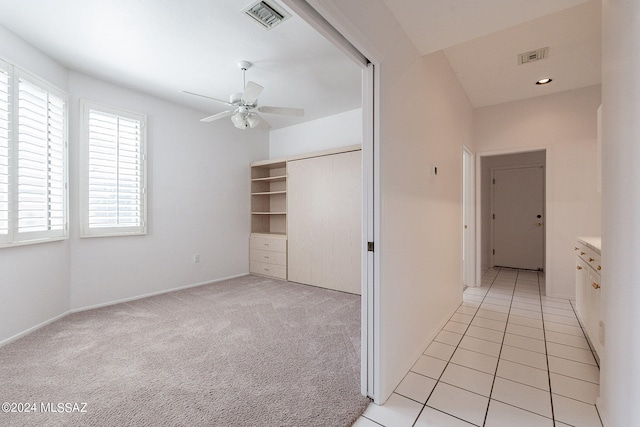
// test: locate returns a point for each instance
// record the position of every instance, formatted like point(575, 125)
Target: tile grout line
point(546, 355)
point(594, 357)
point(504, 334)
point(457, 346)
point(585, 337)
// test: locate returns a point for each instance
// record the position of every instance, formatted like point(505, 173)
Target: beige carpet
point(244, 352)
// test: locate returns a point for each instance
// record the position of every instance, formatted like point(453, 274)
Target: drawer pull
point(576, 248)
point(591, 259)
point(266, 244)
point(595, 285)
point(578, 267)
point(266, 257)
point(582, 253)
point(599, 268)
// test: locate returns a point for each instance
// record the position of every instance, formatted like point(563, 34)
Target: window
point(33, 159)
point(113, 171)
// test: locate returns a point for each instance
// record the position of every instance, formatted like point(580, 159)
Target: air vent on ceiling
point(267, 14)
point(534, 55)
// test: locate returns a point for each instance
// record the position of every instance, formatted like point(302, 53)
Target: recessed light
point(544, 81)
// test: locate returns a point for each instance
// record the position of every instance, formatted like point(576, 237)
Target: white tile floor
point(509, 356)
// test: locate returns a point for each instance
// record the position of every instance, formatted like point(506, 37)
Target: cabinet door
point(583, 292)
point(324, 221)
point(593, 328)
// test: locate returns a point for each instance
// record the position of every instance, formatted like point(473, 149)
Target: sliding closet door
point(324, 221)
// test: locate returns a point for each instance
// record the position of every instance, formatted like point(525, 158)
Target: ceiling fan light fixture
point(253, 120)
point(239, 120)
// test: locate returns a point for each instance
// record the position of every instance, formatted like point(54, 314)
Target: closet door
point(324, 221)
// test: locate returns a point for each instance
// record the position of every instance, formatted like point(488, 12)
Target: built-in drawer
point(595, 260)
point(271, 270)
point(583, 251)
point(266, 243)
point(269, 257)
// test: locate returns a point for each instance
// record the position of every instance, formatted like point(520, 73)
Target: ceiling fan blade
point(251, 93)
point(207, 97)
point(218, 116)
point(282, 110)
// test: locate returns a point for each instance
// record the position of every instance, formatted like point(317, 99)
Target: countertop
point(594, 243)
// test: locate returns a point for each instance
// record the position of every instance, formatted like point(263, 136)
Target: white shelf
point(268, 193)
point(270, 179)
point(269, 197)
point(268, 213)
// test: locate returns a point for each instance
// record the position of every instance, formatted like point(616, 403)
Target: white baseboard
point(151, 294)
point(76, 310)
point(33, 329)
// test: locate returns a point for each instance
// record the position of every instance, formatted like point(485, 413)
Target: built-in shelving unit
point(269, 197)
point(268, 245)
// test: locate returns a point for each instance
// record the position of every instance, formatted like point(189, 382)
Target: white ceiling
point(165, 46)
point(483, 38)
point(488, 66)
point(434, 25)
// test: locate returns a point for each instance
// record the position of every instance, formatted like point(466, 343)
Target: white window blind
point(114, 172)
point(5, 91)
point(41, 160)
point(33, 159)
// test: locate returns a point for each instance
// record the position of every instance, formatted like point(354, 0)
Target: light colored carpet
point(244, 352)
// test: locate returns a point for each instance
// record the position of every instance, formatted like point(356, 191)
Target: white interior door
point(324, 219)
point(518, 217)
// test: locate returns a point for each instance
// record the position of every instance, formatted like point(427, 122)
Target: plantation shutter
point(5, 91)
point(33, 159)
point(115, 172)
point(41, 161)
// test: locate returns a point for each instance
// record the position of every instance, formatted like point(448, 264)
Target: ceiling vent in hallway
point(534, 55)
point(267, 14)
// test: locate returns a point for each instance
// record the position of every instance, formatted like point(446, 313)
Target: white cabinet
point(306, 222)
point(324, 221)
point(588, 290)
point(268, 255)
point(268, 243)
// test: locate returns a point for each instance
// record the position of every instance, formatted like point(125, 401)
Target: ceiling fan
point(245, 105)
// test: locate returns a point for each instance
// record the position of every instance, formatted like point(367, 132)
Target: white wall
point(424, 117)
point(198, 197)
point(322, 134)
point(488, 163)
point(565, 125)
point(34, 279)
point(620, 376)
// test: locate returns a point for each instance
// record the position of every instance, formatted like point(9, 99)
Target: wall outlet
point(196, 258)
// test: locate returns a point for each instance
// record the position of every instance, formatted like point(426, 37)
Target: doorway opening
point(512, 209)
point(370, 276)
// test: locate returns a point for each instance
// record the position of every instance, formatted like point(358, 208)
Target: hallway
point(508, 356)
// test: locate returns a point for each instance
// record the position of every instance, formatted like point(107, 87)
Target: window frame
point(14, 237)
point(109, 231)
